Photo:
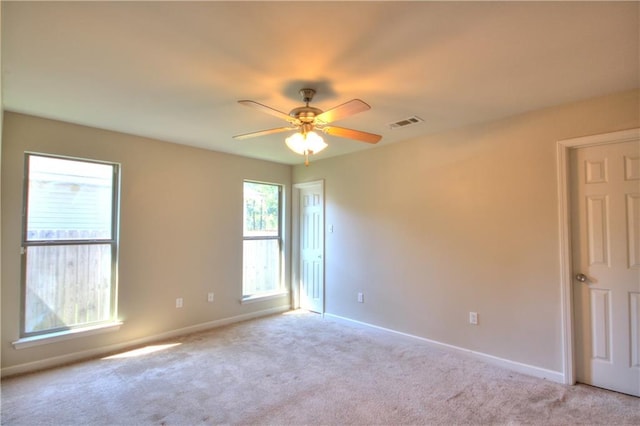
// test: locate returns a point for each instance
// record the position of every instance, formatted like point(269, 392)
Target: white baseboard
point(104, 350)
point(531, 370)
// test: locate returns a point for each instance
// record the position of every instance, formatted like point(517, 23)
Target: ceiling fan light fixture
point(305, 143)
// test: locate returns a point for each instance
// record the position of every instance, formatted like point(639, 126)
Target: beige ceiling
point(174, 70)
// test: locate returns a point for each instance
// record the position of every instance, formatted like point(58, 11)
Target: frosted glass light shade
point(309, 143)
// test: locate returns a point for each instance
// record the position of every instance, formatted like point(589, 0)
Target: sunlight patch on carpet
point(298, 312)
point(142, 351)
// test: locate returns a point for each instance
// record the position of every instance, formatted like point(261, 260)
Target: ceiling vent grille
point(410, 121)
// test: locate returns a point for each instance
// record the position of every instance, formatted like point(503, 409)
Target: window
point(262, 245)
point(69, 244)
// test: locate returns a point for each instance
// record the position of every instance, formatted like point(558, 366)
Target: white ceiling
point(174, 70)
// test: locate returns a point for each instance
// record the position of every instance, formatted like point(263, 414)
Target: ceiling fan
point(307, 119)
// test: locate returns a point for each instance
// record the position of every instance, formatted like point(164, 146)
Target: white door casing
point(311, 246)
point(564, 148)
point(604, 187)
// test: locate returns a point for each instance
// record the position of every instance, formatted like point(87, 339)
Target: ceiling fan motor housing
point(306, 114)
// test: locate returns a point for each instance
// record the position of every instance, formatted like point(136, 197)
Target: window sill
point(264, 296)
point(59, 336)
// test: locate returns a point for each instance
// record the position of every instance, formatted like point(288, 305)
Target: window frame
point(281, 290)
point(33, 336)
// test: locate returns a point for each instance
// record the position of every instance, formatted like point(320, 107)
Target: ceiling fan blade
point(352, 134)
point(354, 106)
point(263, 133)
point(269, 110)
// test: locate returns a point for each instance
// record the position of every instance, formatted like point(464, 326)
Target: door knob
point(581, 277)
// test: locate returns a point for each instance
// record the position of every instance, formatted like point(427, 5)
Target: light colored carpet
point(298, 369)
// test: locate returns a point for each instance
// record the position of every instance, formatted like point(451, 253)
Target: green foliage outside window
point(261, 209)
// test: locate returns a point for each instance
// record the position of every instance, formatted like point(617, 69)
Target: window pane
point(69, 200)
point(261, 266)
point(67, 285)
point(261, 210)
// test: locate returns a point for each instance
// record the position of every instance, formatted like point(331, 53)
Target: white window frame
point(33, 338)
point(281, 290)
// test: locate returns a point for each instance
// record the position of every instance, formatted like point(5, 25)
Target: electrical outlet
point(473, 318)
point(179, 302)
point(210, 297)
point(360, 297)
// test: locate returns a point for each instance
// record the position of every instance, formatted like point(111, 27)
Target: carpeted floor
point(299, 369)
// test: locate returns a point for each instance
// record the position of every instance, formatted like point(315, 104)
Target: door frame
point(564, 216)
point(295, 240)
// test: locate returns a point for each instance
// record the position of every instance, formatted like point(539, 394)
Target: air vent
point(406, 122)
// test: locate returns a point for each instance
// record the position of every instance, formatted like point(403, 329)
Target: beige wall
point(462, 221)
point(180, 230)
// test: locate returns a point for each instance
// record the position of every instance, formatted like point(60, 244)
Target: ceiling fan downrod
point(307, 95)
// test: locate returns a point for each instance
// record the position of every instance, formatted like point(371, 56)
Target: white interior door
point(605, 206)
point(312, 248)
